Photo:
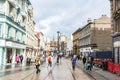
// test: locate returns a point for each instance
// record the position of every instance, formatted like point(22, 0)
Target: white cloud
point(66, 16)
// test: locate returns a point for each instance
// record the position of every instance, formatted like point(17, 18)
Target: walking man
point(21, 58)
point(74, 61)
point(84, 61)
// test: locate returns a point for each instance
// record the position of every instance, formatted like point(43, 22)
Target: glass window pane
point(0, 30)
point(119, 54)
point(118, 3)
point(116, 55)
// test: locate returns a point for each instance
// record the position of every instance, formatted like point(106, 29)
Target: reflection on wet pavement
point(11, 69)
point(61, 71)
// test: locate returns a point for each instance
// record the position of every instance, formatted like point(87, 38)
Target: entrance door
point(9, 53)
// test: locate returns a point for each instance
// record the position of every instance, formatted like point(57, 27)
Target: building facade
point(63, 43)
point(41, 41)
point(53, 45)
point(69, 44)
point(115, 12)
point(96, 36)
point(76, 41)
point(12, 29)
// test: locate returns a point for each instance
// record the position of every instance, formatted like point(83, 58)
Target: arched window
point(118, 4)
point(9, 32)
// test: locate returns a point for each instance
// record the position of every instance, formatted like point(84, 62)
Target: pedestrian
point(89, 66)
point(21, 58)
point(74, 61)
point(84, 61)
point(78, 56)
point(10, 58)
point(92, 59)
point(49, 59)
point(37, 64)
point(17, 59)
point(57, 58)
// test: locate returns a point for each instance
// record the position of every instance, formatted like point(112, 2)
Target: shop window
point(119, 54)
point(116, 55)
point(118, 4)
point(10, 32)
point(16, 35)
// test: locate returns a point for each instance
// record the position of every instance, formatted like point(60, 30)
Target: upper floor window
point(23, 4)
point(10, 8)
point(0, 30)
point(9, 32)
point(2, 6)
point(117, 4)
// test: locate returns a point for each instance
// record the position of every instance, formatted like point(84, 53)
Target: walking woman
point(37, 63)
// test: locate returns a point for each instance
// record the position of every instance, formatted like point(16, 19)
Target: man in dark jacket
point(84, 61)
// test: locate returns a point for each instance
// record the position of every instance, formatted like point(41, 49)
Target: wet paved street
point(61, 71)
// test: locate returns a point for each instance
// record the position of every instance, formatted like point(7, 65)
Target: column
point(22, 53)
point(14, 55)
point(4, 54)
point(1, 55)
point(24, 56)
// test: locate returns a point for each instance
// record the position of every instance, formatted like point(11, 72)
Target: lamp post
point(58, 40)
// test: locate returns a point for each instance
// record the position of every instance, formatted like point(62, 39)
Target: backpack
point(49, 59)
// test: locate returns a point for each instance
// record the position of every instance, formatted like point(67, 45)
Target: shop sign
point(117, 44)
point(87, 49)
point(15, 45)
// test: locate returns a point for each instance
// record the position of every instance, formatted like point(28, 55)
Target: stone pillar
point(4, 54)
point(14, 55)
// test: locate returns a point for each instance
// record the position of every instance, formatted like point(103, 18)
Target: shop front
point(116, 48)
point(2, 51)
point(12, 50)
point(85, 51)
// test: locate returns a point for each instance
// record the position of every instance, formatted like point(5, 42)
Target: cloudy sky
point(66, 15)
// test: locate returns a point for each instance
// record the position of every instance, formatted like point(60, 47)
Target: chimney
point(104, 15)
point(89, 20)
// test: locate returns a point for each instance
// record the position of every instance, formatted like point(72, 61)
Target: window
point(119, 54)
point(10, 8)
point(0, 30)
point(23, 38)
point(116, 55)
point(9, 32)
point(16, 35)
point(118, 4)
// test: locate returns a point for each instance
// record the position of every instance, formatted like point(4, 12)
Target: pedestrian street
point(61, 71)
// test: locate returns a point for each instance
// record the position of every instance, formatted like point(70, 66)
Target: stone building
point(96, 36)
point(76, 41)
point(115, 13)
point(16, 30)
point(69, 44)
point(62, 43)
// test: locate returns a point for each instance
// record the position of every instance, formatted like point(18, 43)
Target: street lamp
point(58, 40)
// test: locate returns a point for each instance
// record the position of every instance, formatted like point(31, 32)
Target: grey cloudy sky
point(66, 15)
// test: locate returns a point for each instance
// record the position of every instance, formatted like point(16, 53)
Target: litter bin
point(104, 65)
